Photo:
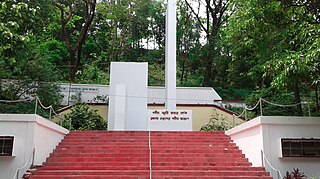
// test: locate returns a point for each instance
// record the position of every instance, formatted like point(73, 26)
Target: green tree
point(211, 23)
point(273, 44)
point(82, 117)
point(130, 31)
point(14, 19)
point(189, 47)
point(24, 71)
point(76, 19)
point(34, 78)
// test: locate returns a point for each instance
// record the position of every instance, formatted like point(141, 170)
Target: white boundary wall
point(185, 95)
point(156, 94)
point(30, 132)
point(265, 133)
point(87, 92)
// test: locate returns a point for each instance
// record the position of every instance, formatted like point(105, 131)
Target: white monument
point(171, 40)
point(128, 96)
point(128, 91)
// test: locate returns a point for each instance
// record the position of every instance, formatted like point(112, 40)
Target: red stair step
point(125, 154)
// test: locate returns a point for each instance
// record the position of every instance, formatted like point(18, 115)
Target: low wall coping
point(274, 120)
point(33, 118)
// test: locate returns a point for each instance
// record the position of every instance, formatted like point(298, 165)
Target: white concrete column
point(171, 40)
point(120, 107)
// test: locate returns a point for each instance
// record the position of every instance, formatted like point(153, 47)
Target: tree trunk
point(208, 72)
point(67, 12)
point(209, 60)
point(317, 98)
point(183, 69)
point(210, 25)
point(73, 68)
point(297, 99)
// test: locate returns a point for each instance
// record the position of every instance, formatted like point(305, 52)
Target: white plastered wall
point(275, 128)
point(248, 137)
point(29, 131)
point(272, 129)
point(22, 146)
point(46, 137)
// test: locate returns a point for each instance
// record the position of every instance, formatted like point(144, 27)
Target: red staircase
point(103, 154)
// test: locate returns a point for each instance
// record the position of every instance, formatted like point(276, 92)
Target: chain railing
point(51, 110)
point(38, 104)
point(260, 104)
point(243, 114)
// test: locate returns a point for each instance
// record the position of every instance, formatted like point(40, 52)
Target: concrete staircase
point(103, 154)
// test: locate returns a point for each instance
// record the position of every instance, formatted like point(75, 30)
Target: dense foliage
point(245, 49)
point(82, 117)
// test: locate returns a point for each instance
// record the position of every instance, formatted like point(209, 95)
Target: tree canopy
point(245, 49)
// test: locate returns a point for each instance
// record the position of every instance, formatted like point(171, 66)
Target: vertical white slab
point(171, 39)
point(120, 107)
point(134, 76)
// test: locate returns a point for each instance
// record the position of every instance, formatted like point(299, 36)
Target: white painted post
point(260, 107)
point(171, 40)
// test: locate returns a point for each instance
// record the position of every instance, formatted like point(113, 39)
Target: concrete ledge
point(289, 120)
point(244, 126)
point(18, 117)
point(50, 125)
point(33, 118)
point(279, 120)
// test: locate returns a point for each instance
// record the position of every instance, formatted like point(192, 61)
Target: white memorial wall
point(128, 96)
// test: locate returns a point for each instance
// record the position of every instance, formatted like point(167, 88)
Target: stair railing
point(16, 175)
point(264, 158)
point(150, 155)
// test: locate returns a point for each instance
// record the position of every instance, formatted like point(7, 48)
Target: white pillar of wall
point(171, 39)
point(120, 107)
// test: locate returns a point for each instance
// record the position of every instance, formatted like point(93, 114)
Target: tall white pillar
point(171, 40)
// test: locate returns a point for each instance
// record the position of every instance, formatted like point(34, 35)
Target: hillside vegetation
point(245, 49)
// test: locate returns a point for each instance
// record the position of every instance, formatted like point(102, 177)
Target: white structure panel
point(272, 130)
point(120, 107)
point(134, 76)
